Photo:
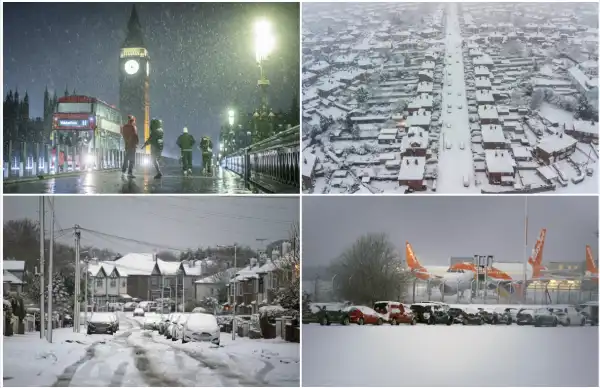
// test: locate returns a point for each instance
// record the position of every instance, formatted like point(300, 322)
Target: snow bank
point(30, 361)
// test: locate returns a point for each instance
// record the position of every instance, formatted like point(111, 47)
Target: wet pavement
point(101, 182)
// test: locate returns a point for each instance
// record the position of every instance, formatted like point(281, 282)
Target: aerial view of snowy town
point(450, 98)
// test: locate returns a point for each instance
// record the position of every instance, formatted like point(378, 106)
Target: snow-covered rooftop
point(412, 168)
point(499, 162)
point(492, 133)
point(13, 265)
point(556, 143)
point(416, 137)
point(487, 112)
point(8, 277)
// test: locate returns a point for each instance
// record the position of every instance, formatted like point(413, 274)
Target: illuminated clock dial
point(132, 66)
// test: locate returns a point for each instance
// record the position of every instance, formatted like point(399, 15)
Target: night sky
point(202, 56)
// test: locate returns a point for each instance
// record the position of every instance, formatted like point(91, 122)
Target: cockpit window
point(455, 270)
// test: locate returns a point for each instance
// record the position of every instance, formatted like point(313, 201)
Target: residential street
point(137, 357)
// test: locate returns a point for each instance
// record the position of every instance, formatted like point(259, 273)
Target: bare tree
point(536, 99)
point(370, 270)
point(288, 265)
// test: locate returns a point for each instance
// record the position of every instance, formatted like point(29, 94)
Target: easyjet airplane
point(459, 276)
point(449, 280)
point(591, 272)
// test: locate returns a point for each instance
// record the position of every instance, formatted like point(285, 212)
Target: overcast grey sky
point(440, 227)
point(178, 222)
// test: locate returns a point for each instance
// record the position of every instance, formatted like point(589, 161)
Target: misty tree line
point(367, 271)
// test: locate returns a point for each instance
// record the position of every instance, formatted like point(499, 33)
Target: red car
point(364, 315)
point(394, 313)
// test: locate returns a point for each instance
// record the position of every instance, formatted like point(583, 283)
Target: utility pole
point(76, 304)
point(50, 262)
point(176, 287)
point(86, 296)
point(524, 285)
point(234, 291)
point(42, 264)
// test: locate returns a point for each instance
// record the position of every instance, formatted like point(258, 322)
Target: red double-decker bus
point(90, 128)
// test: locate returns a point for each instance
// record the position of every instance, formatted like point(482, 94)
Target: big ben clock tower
point(134, 78)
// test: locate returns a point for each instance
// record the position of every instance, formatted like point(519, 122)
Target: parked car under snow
point(201, 327)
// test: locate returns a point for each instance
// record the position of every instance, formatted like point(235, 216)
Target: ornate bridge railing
point(39, 160)
point(272, 164)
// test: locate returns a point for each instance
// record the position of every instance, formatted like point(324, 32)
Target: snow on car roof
point(201, 319)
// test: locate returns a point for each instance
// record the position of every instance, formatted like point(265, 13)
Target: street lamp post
point(264, 42)
point(234, 288)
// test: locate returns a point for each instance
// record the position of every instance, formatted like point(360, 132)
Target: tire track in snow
point(64, 380)
point(119, 375)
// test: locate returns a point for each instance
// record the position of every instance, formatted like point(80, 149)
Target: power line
point(225, 215)
point(139, 242)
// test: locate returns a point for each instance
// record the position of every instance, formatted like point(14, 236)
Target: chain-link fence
point(471, 292)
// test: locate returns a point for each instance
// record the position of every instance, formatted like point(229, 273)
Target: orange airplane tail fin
point(590, 265)
point(411, 258)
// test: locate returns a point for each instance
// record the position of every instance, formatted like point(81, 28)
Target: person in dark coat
point(156, 142)
point(186, 142)
point(206, 146)
point(130, 136)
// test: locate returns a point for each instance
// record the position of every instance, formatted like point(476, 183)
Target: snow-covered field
point(136, 357)
point(466, 356)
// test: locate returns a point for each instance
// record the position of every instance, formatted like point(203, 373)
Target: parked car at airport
point(100, 324)
point(394, 313)
point(327, 317)
point(363, 315)
point(139, 312)
point(569, 316)
point(525, 317)
point(465, 316)
point(590, 311)
point(431, 313)
point(504, 316)
point(544, 317)
point(201, 327)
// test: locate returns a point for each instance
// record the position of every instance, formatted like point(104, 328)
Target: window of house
point(255, 283)
point(274, 281)
point(154, 281)
point(113, 282)
point(99, 282)
point(261, 285)
point(123, 283)
point(240, 289)
point(231, 290)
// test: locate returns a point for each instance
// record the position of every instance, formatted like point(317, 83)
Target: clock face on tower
point(132, 66)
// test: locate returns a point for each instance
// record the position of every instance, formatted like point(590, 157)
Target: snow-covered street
point(136, 357)
point(455, 159)
point(449, 356)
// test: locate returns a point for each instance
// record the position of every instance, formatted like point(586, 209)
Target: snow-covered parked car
point(199, 310)
point(139, 312)
point(364, 315)
point(201, 327)
point(151, 322)
point(162, 325)
point(177, 330)
point(466, 181)
point(169, 328)
point(462, 145)
point(100, 324)
point(568, 316)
